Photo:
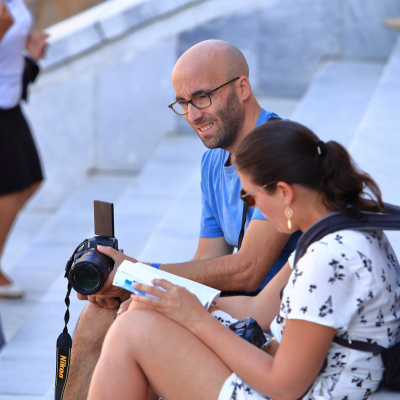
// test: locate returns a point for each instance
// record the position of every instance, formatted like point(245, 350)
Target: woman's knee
point(140, 328)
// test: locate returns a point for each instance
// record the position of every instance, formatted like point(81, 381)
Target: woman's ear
point(286, 191)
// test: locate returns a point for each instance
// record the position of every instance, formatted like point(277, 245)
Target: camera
point(87, 270)
point(249, 330)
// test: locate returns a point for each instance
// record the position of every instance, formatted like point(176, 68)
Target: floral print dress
point(349, 280)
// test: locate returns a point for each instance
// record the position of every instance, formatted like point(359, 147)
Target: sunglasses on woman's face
point(248, 198)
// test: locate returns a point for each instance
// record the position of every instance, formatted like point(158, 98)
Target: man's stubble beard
point(229, 123)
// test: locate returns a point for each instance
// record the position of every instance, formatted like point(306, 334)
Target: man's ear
point(244, 88)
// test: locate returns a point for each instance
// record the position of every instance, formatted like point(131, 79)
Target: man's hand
point(106, 296)
point(36, 44)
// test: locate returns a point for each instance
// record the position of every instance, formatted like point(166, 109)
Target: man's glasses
point(202, 100)
point(248, 198)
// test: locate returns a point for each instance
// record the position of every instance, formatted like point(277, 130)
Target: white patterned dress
point(349, 280)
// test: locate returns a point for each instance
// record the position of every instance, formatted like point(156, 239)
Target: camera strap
point(64, 346)
point(64, 341)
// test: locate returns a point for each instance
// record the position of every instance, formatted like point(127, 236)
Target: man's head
point(203, 68)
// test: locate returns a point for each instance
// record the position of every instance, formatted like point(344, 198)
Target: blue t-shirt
point(222, 207)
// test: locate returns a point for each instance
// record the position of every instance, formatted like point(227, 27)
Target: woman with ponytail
point(345, 285)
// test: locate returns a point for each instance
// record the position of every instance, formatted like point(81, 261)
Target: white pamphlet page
point(129, 272)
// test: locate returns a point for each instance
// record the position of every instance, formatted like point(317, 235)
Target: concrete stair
point(152, 208)
point(157, 211)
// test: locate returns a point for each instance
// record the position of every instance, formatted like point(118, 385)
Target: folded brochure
point(129, 272)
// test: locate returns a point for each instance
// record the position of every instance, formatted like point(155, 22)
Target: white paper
point(129, 272)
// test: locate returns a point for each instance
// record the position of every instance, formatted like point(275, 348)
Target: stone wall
point(101, 102)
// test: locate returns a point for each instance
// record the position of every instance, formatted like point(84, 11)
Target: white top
point(349, 280)
point(12, 46)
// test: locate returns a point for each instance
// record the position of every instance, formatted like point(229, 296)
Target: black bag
point(359, 220)
point(31, 71)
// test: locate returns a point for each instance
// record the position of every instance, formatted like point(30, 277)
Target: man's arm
point(212, 248)
point(213, 265)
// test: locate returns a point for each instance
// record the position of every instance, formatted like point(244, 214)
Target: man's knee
point(93, 324)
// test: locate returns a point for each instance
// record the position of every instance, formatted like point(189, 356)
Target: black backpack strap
point(351, 219)
point(359, 345)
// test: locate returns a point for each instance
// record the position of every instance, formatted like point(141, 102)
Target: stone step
point(337, 99)
point(43, 256)
point(150, 211)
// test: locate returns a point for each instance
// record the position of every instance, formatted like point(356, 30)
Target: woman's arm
point(288, 374)
point(264, 307)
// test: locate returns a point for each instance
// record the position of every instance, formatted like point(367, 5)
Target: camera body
point(88, 269)
point(249, 330)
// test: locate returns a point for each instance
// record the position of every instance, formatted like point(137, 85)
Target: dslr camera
point(87, 270)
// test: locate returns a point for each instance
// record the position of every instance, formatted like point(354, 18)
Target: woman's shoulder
point(359, 251)
point(356, 239)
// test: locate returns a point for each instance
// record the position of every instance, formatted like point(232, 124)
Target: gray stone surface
point(61, 117)
point(39, 261)
point(376, 142)
point(94, 27)
point(364, 35)
point(128, 19)
point(292, 38)
point(132, 107)
point(160, 203)
point(337, 99)
point(71, 46)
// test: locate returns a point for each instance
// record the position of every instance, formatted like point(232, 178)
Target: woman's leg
point(143, 350)
point(10, 205)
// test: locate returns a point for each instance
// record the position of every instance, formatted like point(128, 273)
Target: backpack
point(359, 220)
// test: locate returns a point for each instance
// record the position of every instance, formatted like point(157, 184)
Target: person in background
point(345, 285)
point(20, 168)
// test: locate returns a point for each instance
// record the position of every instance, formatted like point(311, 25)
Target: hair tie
point(321, 148)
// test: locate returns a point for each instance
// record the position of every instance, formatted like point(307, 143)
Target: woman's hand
point(175, 302)
point(36, 44)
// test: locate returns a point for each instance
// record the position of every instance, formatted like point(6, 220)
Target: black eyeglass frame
point(208, 93)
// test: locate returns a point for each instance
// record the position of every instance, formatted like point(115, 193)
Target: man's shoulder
point(264, 116)
point(213, 157)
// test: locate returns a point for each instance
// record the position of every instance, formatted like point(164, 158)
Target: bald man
point(213, 94)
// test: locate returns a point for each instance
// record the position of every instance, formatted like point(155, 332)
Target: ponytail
point(343, 184)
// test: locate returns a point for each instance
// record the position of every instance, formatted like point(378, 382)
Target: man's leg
point(143, 348)
point(89, 335)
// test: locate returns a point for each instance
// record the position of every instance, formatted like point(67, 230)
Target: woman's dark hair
point(290, 152)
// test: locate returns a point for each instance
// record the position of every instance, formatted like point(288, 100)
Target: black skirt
point(19, 160)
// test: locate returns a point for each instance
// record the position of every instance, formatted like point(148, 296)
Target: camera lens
point(86, 277)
